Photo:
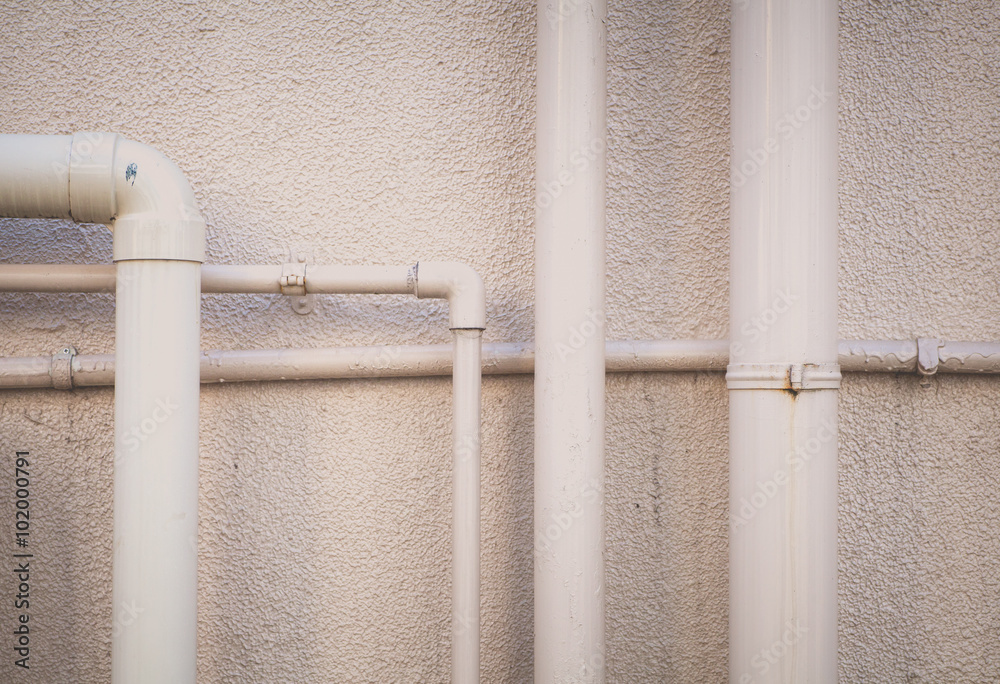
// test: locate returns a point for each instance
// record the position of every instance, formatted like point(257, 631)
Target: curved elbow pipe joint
point(142, 194)
point(460, 285)
point(96, 177)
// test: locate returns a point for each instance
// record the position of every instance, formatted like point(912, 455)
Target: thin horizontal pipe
point(622, 357)
point(634, 356)
point(215, 279)
point(57, 278)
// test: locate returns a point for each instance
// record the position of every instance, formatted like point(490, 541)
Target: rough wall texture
point(369, 133)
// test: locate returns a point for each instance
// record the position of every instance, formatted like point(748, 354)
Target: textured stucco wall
point(371, 133)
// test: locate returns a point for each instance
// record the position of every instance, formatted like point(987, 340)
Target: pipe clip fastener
point(928, 356)
point(293, 279)
point(796, 377)
point(61, 369)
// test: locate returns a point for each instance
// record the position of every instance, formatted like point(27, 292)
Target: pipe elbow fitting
point(138, 191)
point(461, 285)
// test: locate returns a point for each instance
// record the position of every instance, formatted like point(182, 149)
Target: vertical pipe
point(466, 385)
point(569, 335)
point(159, 244)
point(156, 472)
point(783, 374)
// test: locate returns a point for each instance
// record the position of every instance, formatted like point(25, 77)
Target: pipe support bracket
point(783, 376)
point(61, 368)
point(928, 356)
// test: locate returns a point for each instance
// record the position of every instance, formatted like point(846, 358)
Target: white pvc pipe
point(159, 239)
point(466, 389)
point(361, 279)
point(34, 176)
point(159, 243)
point(240, 279)
point(569, 338)
point(161, 336)
point(57, 278)
point(506, 358)
point(783, 375)
point(156, 471)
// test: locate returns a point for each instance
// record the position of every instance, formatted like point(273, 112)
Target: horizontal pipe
point(219, 279)
point(630, 356)
point(359, 279)
point(57, 278)
point(215, 278)
point(877, 356)
point(458, 283)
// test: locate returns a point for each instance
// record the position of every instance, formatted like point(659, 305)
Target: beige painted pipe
point(66, 371)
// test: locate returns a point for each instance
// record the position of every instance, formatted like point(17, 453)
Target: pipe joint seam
point(101, 177)
point(783, 376)
point(91, 177)
point(460, 284)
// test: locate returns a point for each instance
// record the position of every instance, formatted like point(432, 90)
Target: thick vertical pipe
point(159, 244)
point(157, 368)
point(466, 391)
point(569, 335)
point(783, 374)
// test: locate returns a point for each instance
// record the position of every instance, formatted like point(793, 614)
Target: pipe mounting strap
point(783, 376)
point(61, 368)
point(928, 356)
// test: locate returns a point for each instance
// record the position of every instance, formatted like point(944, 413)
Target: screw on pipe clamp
point(293, 280)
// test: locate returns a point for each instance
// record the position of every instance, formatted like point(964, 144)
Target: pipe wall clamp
point(293, 279)
point(61, 369)
point(783, 376)
point(928, 356)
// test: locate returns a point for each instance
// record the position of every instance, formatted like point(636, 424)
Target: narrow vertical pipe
point(156, 472)
point(783, 374)
point(466, 390)
point(569, 335)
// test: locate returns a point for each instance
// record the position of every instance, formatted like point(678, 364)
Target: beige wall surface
point(372, 132)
